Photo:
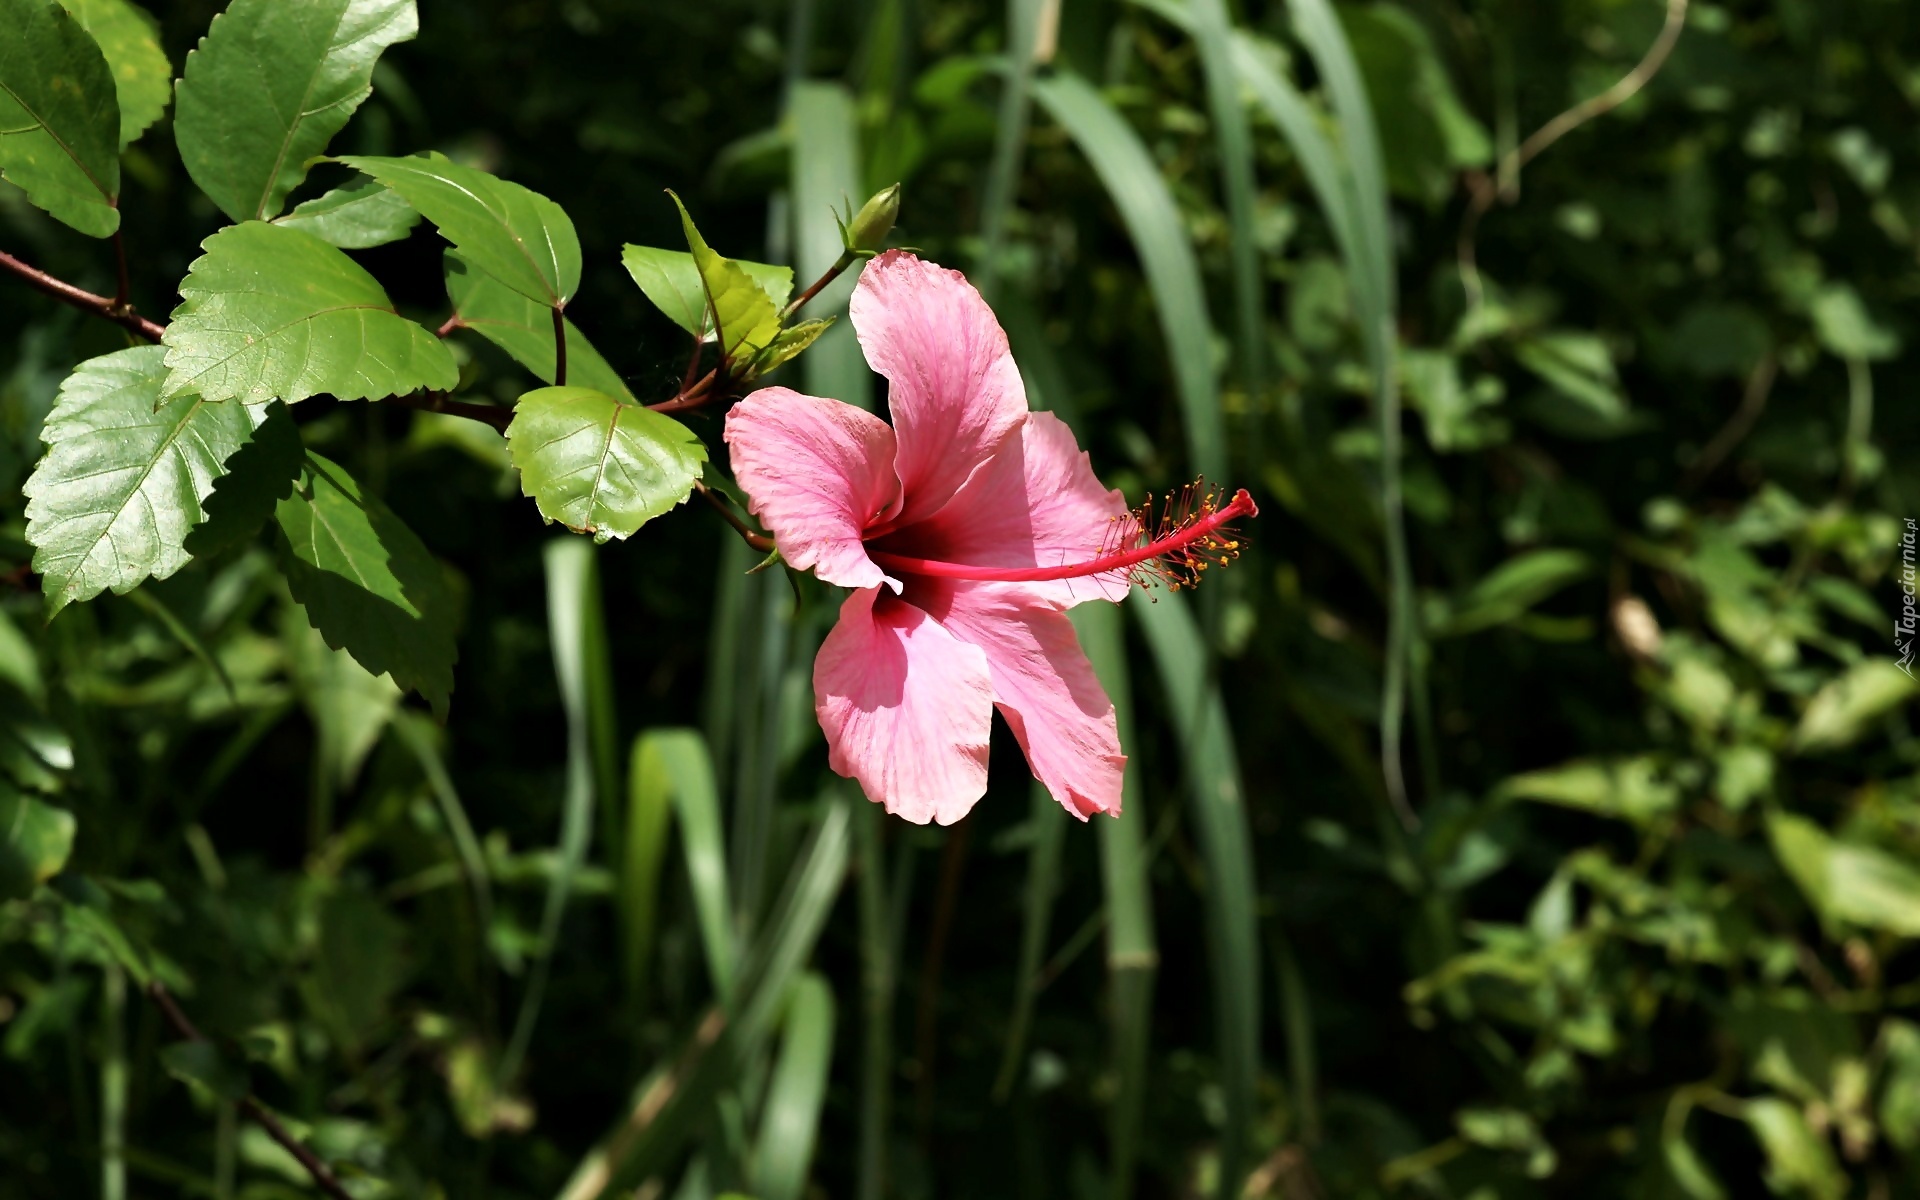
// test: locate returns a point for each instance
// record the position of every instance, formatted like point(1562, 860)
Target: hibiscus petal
point(1044, 686)
point(906, 707)
point(817, 473)
point(954, 392)
point(1035, 504)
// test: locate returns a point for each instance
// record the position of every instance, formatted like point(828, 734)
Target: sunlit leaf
point(748, 317)
point(671, 279)
point(790, 343)
point(1845, 880)
point(35, 840)
point(269, 86)
point(273, 313)
point(125, 475)
point(524, 328)
point(1845, 708)
point(59, 116)
point(598, 465)
point(129, 38)
point(520, 237)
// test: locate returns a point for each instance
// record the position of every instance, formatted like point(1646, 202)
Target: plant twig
point(120, 302)
point(323, 1175)
point(759, 541)
point(1752, 403)
point(438, 402)
point(1485, 191)
point(703, 390)
point(447, 326)
point(847, 258)
point(120, 314)
point(559, 347)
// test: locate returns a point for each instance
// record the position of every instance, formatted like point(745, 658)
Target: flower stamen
point(1192, 532)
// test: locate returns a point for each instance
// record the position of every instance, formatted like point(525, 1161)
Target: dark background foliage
point(1645, 934)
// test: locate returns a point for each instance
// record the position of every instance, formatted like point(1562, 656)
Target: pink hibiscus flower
point(966, 528)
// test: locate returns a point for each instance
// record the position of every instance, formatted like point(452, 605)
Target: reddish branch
point(120, 314)
point(256, 1111)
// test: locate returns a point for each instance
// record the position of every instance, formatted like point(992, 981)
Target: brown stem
point(759, 541)
point(840, 264)
point(559, 348)
point(702, 391)
point(322, 1174)
point(99, 306)
point(120, 267)
point(438, 402)
point(449, 325)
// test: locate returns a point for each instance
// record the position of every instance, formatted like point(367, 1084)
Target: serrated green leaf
point(354, 218)
point(747, 315)
point(129, 38)
point(35, 841)
point(124, 477)
point(269, 86)
point(202, 1062)
point(597, 465)
point(59, 116)
point(368, 584)
point(671, 280)
point(273, 313)
point(524, 328)
point(259, 475)
point(790, 343)
point(518, 236)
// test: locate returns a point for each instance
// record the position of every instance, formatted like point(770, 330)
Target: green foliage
point(368, 584)
point(354, 218)
point(519, 237)
point(59, 117)
point(272, 313)
point(129, 38)
point(35, 841)
point(126, 471)
point(524, 328)
point(742, 310)
point(598, 464)
point(269, 86)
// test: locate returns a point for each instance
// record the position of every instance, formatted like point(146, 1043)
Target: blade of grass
point(825, 179)
point(1296, 1018)
point(650, 800)
point(1320, 31)
point(790, 1122)
point(686, 771)
point(113, 1085)
point(1049, 824)
point(1213, 30)
point(1213, 785)
point(1133, 181)
point(878, 959)
point(1133, 955)
point(763, 710)
point(573, 597)
point(670, 1104)
point(1024, 18)
point(732, 585)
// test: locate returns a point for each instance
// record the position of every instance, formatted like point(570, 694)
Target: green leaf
point(368, 584)
point(1510, 589)
point(1843, 710)
point(1426, 133)
point(1900, 1094)
point(520, 237)
point(1847, 881)
point(124, 477)
point(202, 1062)
point(273, 313)
point(35, 841)
point(59, 118)
point(671, 280)
point(796, 1095)
point(1631, 789)
point(359, 963)
point(1847, 330)
point(259, 475)
point(269, 86)
point(597, 465)
point(130, 39)
point(790, 343)
point(524, 328)
point(1799, 1161)
point(1579, 368)
point(748, 317)
point(354, 218)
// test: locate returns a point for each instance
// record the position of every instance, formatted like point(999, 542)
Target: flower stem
point(559, 347)
point(847, 258)
point(759, 541)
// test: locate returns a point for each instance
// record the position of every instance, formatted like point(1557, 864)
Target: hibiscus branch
point(559, 347)
point(847, 258)
point(323, 1176)
point(439, 402)
point(119, 313)
point(759, 541)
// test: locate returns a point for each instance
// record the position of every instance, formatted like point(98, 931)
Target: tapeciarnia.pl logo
point(1905, 624)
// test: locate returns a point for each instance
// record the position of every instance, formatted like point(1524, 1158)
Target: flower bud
point(870, 226)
